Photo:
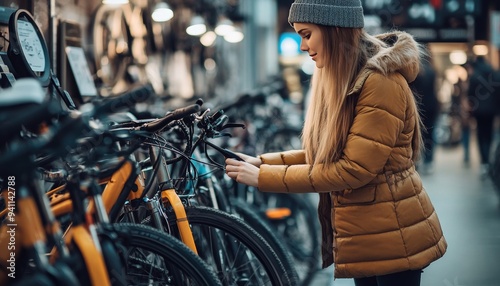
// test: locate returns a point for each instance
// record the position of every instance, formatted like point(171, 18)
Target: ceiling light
point(234, 36)
point(114, 2)
point(197, 26)
point(223, 27)
point(162, 12)
point(208, 38)
point(210, 64)
point(480, 50)
point(458, 57)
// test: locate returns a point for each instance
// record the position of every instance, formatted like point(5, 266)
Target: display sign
point(81, 72)
point(31, 45)
point(432, 20)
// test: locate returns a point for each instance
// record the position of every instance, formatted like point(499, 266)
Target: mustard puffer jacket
point(380, 218)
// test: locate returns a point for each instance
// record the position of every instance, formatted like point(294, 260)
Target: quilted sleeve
point(292, 157)
point(379, 120)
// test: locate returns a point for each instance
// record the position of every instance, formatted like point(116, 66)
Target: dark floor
point(469, 211)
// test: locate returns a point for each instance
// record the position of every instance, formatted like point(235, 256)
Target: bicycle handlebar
point(125, 100)
point(64, 135)
point(28, 116)
point(179, 113)
point(246, 99)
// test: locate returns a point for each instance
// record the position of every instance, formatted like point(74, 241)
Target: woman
point(361, 138)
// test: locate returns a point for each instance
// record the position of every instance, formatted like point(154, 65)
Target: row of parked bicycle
point(101, 197)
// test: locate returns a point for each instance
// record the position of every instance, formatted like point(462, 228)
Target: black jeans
point(406, 278)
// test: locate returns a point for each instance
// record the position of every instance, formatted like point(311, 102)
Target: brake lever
point(223, 151)
point(223, 134)
point(233, 125)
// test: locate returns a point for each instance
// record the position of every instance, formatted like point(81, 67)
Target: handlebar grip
point(216, 115)
point(126, 100)
point(179, 113)
point(185, 111)
point(199, 101)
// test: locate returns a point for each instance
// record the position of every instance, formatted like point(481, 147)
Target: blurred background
point(224, 51)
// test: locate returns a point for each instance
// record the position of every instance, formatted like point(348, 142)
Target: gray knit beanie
point(339, 13)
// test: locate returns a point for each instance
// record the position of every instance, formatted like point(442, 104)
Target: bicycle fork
point(168, 195)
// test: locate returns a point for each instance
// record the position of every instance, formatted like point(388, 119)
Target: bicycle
point(86, 245)
point(32, 226)
point(211, 192)
point(170, 213)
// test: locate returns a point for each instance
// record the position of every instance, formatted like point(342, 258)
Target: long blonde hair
point(331, 112)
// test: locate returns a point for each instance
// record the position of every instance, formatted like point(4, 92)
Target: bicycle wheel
point(239, 255)
point(287, 138)
point(251, 216)
point(300, 229)
point(154, 258)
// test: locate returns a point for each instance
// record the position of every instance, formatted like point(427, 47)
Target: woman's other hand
point(243, 172)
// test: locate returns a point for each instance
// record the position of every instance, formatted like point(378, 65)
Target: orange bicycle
point(148, 254)
point(92, 251)
point(30, 229)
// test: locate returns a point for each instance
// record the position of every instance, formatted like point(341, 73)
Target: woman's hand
point(243, 172)
point(249, 159)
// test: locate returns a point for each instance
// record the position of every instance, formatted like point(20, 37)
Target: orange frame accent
point(96, 267)
point(180, 214)
point(113, 188)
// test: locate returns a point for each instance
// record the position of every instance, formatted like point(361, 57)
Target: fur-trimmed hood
point(402, 54)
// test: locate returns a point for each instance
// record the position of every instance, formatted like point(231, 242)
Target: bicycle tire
point(300, 231)
point(179, 265)
point(287, 138)
point(200, 218)
point(250, 215)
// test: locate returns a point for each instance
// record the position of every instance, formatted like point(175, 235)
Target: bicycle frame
point(16, 236)
point(79, 235)
point(115, 186)
point(29, 230)
point(82, 234)
point(170, 196)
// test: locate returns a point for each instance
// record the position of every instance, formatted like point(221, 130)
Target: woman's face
point(312, 42)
